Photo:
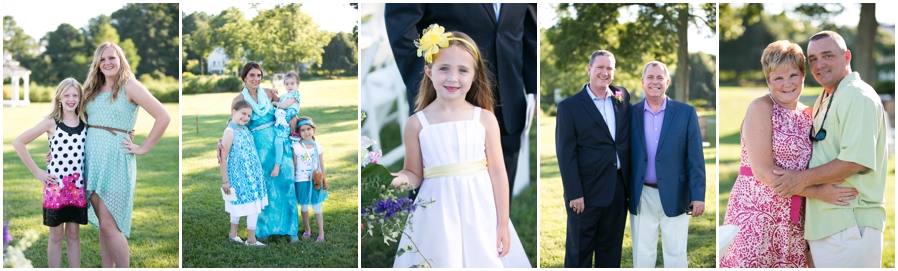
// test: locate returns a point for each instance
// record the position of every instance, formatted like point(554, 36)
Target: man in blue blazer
point(668, 172)
point(592, 145)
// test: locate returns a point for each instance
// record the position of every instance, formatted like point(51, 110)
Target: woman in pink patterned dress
point(775, 135)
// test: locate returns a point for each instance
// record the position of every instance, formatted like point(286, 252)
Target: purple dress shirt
point(652, 123)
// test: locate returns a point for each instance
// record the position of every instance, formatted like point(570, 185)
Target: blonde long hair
point(95, 78)
point(480, 93)
point(56, 113)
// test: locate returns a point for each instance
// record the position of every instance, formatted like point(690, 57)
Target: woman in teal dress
point(112, 96)
point(280, 216)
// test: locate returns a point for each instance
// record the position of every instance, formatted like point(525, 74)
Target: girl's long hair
point(56, 113)
point(480, 93)
point(96, 79)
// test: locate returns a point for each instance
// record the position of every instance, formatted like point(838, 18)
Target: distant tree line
point(282, 38)
point(148, 34)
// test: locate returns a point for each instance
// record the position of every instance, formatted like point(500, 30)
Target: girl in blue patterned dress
point(309, 156)
point(241, 171)
point(285, 120)
point(65, 206)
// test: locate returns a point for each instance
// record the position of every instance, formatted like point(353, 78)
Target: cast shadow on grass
point(331, 119)
point(154, 230)
point(206, 226)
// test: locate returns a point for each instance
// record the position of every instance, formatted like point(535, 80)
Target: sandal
point(256, 244)
point(306, 235)
point(319, 240)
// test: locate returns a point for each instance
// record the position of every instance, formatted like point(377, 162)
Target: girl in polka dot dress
point(65, 205)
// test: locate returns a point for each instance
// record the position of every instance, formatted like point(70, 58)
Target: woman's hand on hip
point(132, 148)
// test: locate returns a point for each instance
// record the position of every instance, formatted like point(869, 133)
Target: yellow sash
point(455, 169)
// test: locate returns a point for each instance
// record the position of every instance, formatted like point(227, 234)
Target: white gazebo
point(15, 72)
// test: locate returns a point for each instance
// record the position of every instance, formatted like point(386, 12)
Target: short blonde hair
point(781, 53)
point(56, 113)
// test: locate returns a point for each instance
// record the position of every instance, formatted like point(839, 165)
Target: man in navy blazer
point(592, 146)
point(668, 172)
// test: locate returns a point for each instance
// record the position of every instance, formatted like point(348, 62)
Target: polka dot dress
point(64, 200)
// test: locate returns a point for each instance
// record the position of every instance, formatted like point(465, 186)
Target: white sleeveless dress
point(459, 229)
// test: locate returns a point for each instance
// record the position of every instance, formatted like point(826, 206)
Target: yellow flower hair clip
point(434, 38)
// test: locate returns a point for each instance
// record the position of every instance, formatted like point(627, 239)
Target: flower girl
point(453, 153)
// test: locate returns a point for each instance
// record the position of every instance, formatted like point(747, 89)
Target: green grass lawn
point(154, 228)
point(734, 102)
point(333, 104)
point(553, 220)
point(523, 212)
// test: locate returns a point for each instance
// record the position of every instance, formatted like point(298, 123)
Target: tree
point(197, 38)
point(153, 28)
point(15, 41)
point(355, 29)
point(285, 37)
point(862, 53)
point(658, 33)
point(65, 47)
point(340, 56)
point(230, 33)
point(99, 30)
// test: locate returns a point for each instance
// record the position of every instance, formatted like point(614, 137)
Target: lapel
point(669, 113)
point(492, 12)
point(638, 111)
point(618, 109)
point(590, 107)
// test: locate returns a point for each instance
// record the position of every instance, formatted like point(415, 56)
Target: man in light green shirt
point(849, 143)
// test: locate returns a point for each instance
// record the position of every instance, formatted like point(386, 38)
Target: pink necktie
point(795, 207)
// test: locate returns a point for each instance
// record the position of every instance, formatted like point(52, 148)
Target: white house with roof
point(215, 62)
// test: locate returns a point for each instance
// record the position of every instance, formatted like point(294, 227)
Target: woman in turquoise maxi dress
point(280, 216)
point(112, 96)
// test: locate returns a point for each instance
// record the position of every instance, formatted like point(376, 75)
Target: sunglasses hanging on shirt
point(821, 134)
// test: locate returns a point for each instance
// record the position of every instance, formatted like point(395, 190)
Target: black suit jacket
point(586, 151)
point(508, 46)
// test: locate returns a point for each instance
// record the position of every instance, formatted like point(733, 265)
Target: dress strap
point(772, 100)
point(422, 119)
point(476, 113)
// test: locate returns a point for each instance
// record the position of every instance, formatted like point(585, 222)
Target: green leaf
point(373, 177)
point(400, 252)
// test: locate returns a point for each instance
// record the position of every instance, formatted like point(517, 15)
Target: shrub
point(228, 84)
point(885, 87)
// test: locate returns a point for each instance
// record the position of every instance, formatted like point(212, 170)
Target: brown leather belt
point(109, 129)
point(651, 185)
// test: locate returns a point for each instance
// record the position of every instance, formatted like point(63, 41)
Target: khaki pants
point(851, 247)
point(644, 231)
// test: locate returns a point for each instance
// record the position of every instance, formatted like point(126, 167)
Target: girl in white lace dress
point(454, 154)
